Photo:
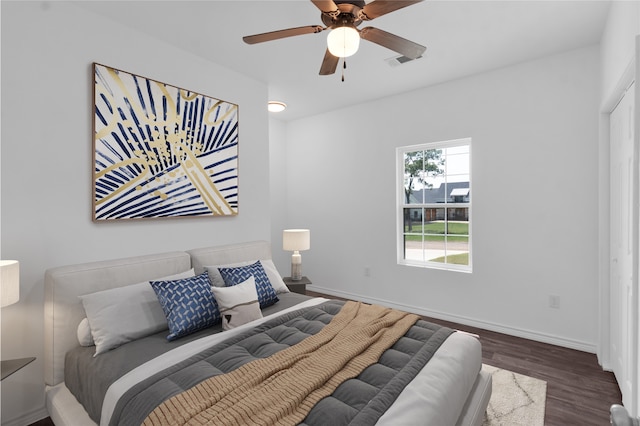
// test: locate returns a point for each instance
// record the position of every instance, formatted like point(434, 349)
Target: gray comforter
point(357, 401)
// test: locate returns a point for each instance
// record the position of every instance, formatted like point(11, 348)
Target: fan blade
point(327, 6)
point(381, 7)
point(329, 64)
point(275, 35)
point(391, 41)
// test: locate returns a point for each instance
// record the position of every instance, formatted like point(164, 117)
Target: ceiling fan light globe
point(343, 41)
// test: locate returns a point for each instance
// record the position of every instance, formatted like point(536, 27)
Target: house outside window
point(434, 205)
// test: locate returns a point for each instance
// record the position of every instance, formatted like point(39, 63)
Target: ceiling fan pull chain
point(344, 67)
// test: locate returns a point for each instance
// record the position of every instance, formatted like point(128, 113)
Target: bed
point(100, 372)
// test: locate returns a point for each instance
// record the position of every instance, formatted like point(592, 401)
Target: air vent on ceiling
point(399, 60)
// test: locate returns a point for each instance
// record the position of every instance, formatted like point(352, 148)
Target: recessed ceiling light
point(276, 106)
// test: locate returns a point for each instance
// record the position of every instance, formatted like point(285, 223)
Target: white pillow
point(267, 264)
point(84, 333)
point(123, 314)
point(238, 304)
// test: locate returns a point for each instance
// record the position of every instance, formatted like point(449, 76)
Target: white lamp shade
point(343, 41)
point(296, 239)
point(9, 282)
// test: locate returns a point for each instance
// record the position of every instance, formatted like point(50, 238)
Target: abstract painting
point(161, 151)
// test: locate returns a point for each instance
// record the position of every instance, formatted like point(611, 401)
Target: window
point(434, 205)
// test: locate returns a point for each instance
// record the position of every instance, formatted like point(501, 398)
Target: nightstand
point(299, 286)
point(12, 365)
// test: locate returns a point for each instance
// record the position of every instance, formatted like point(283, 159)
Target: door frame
point(630, 75)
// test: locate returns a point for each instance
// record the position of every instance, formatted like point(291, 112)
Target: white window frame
point(401, 205)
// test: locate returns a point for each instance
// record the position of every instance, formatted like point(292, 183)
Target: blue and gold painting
point(161, 151)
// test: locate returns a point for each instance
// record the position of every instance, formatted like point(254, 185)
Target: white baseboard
point(27, 418)
point(499, 328)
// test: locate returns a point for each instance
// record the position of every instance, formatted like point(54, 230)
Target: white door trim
point(630, 75)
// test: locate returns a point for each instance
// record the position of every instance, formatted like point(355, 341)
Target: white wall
point(535, 213)
point(47, 52)
point(278, 190)
point(618, 42)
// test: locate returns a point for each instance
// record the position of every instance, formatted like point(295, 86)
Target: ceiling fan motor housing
point(349, 13)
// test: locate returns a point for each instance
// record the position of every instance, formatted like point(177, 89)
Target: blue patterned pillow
point(266, 294)
point(188, 304)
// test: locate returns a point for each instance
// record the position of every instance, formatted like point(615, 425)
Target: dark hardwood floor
point(578, 391)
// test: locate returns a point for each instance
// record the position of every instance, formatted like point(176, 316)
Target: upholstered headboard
point(233, 253)
point(63, 310)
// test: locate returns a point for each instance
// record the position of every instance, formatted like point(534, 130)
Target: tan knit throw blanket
point(283, 388)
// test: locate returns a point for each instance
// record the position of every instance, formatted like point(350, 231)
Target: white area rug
point(516, 399)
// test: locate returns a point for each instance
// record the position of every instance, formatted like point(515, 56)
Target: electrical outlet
point(554, 301)
point(367, 271)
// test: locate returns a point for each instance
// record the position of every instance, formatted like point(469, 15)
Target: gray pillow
point(123, 314)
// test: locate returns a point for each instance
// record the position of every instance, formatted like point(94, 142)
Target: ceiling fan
point(342, 18)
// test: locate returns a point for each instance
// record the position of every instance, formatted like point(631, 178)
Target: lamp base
point(296, 266)
point(296, 271)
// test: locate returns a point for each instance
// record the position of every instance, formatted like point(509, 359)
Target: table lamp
point(296, 240)
point(9, 282)
point(10, 294)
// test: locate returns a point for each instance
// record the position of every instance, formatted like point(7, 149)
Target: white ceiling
point(462, 38)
